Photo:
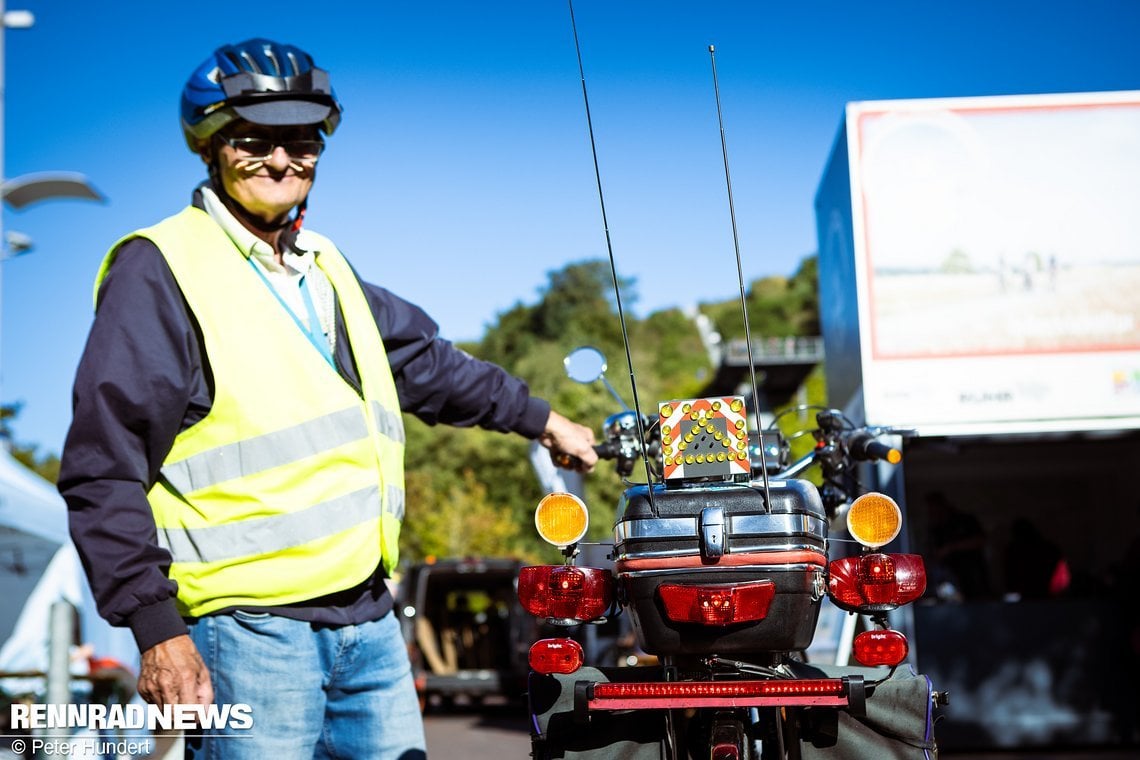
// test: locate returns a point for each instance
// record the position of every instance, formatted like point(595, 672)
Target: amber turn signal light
point(874, 519)
point(561, 519)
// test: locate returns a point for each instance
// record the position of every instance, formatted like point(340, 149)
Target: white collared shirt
point(286, 278)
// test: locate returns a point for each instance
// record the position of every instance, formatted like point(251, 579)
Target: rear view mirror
point(585, 364)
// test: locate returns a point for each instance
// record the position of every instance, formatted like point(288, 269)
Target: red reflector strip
point(831, 692)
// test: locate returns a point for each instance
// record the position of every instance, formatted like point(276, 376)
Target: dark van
point(467, 634)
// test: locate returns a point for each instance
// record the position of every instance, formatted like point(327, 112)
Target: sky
point(461, 175)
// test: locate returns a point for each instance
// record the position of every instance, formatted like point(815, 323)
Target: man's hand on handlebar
point(571, 445)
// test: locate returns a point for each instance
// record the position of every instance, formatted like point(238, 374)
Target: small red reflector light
point(549, 656)
point(719, 604)
point(564, 592)
point(876, 582)
point(880, 648)
point(727, 738)
point(725, 751)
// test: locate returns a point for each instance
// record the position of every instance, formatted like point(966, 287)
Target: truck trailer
point(979, 264)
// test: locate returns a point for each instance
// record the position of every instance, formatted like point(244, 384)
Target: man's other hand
point(172, 672)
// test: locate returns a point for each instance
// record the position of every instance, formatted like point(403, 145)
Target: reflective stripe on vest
point(273, 449)
point(291, 487)
point(221, 543)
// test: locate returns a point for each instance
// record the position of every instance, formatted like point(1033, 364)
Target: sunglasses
point(263, 147)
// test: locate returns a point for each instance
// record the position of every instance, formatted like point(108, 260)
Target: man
point(234, 469)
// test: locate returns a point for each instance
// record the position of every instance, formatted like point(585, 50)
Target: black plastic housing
point(723, 533)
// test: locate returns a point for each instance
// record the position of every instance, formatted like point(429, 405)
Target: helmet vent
point(273, 59)
point(293, 60)
point(251, 65)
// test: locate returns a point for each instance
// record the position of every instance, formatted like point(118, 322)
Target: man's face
point(267, 170)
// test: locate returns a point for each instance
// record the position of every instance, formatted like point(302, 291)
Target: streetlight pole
point(28, 188)
point(17, 20)
point(11, 20)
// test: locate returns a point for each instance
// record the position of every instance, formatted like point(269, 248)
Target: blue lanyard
point(313, 332)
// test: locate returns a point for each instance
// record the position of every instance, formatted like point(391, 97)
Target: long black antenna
point(613, 266)
point(740, 279)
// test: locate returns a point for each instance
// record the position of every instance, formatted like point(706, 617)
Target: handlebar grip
point(862, 445)
point(607, 450)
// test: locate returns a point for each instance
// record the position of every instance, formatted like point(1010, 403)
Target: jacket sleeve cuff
point(156, 623)
point(532, 422)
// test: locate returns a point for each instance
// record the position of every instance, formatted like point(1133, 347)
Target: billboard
point(992, 267)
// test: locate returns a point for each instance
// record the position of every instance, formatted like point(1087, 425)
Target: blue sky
point(462, 175)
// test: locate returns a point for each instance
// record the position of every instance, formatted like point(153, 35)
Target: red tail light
point(720, 604)
point(565, 592)
point(876, 582)
point(549, 656)
point(880, 648)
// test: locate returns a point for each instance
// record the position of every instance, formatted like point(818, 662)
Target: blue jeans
point(315, 692)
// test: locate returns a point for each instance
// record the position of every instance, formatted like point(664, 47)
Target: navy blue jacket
point(144, 377)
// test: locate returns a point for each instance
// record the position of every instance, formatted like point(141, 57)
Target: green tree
point(777, 306)
point(44, 464)
point(577, 306)
point(457, 521)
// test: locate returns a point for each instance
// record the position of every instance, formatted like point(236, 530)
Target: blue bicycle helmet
point(260, 81)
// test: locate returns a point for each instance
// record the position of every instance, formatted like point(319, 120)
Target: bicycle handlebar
point(863, 447)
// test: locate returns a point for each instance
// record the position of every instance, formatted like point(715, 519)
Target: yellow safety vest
point(292, 486)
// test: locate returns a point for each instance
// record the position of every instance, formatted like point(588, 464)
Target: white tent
point(29, 503)
point(38, 567)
